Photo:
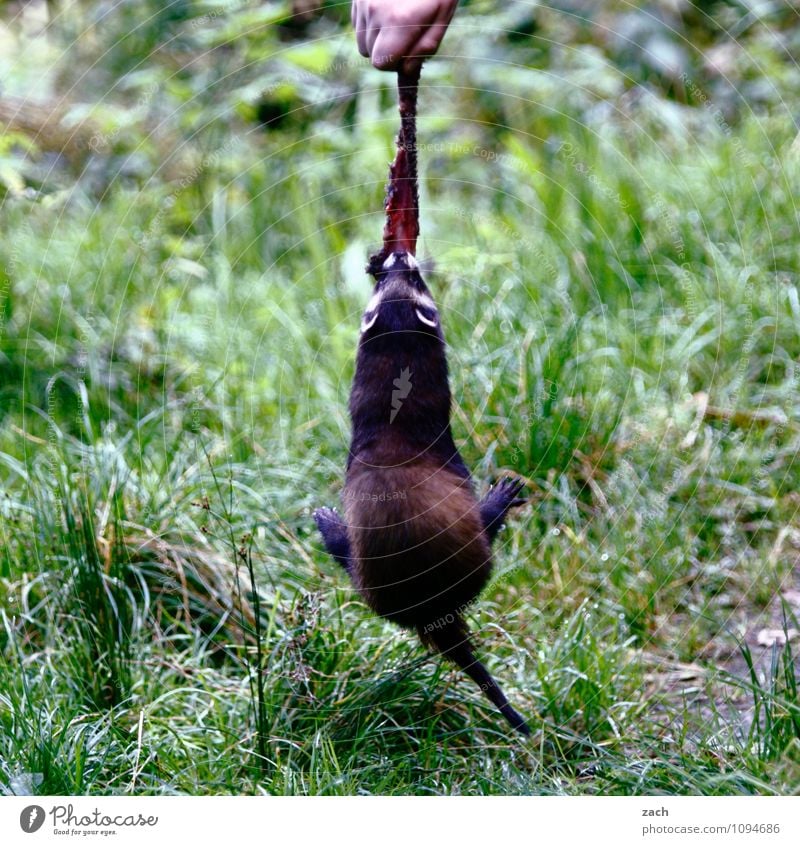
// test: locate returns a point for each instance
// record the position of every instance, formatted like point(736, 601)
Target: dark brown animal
point(415, 540)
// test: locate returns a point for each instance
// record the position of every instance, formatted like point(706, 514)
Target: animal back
point(417, 541)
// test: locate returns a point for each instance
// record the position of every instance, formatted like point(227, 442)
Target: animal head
point(401, 301)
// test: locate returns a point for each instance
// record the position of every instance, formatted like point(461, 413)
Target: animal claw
point(511, 487)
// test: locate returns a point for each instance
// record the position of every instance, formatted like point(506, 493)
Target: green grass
point(178, 318)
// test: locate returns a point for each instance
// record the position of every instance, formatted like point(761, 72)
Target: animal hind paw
point(334, 535)
point(498, 502)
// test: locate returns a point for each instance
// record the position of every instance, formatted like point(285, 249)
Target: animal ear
point(428, 316)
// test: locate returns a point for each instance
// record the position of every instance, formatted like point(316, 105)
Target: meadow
point(188, 194)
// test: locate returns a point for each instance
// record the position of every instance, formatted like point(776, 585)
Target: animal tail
point(451, 639)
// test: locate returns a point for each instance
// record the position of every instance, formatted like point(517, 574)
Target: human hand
point(399, 34)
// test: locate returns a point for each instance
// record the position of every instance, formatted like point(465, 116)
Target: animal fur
point(415, 540)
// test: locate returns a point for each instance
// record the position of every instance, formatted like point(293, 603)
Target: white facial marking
point(371, 311)
point(406, 259)
point(424, 300)
point(424, 319)
point(368, 322)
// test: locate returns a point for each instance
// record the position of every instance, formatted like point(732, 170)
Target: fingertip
point(384, 53)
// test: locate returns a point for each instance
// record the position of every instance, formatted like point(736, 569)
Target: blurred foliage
point(144, 91)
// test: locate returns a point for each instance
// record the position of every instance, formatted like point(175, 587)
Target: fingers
point(397, 35)
point(360, 26)
point(431, 38)
point(390, 44)
point(389, 48)
point(373, 30)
